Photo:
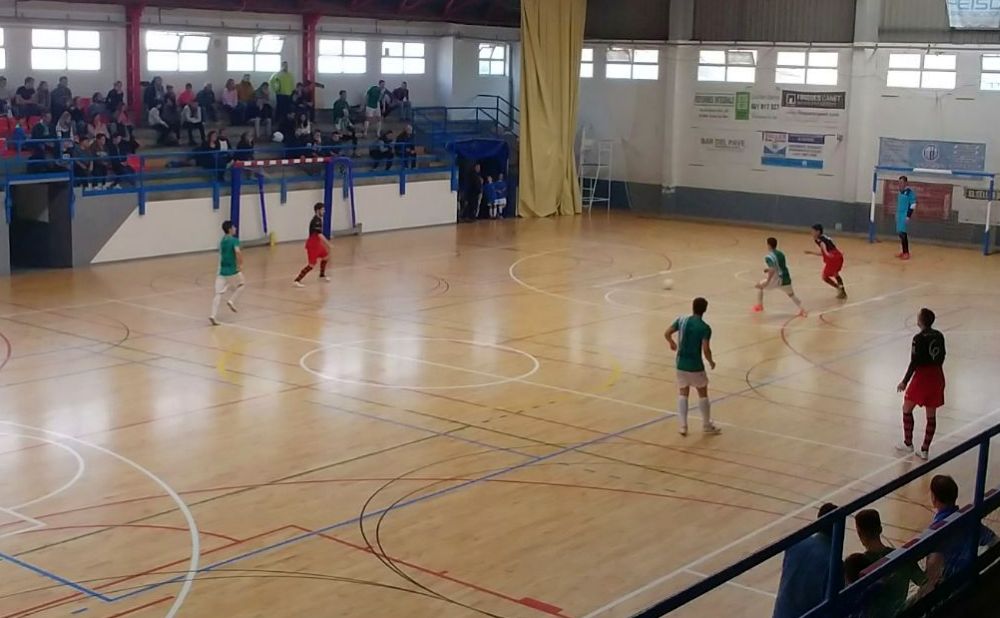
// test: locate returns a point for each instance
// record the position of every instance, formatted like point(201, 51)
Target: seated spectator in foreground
point(154, 94)
point(171, 114)
point(381, 150)
point(118, 152)
point(43, 131)
point(206, 99)
point(406, 149)
point(65, 127)
point(163, 130)
point(24, 100)
point(339, 141)
point(191, 120)
point(80, 162)
point(61, 97)
point(231, 103)
point(4, 97)
point(121, 123)
point(265, 110)
point(186, 95)
point(303, 129)
point(804, 573)
point(892, 591)
point(341, 112)
point(854, 565)
point(101, 160)
point(115, 96)
point(43, 97)
point(210, 156)
point(98, 127)
point(76, 113)
point(955, 553)
point(98, 107)
point(244, 148)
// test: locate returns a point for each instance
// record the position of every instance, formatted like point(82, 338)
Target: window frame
point(356, 62)
point(587, 64)
point(491, 61)
point(909, 75)
point(730, 68)
point(61, 53)
point(408, 59)
point(257, 61)
point(812, 73)
point(189, 47)
point(613, 68)
point(984, 71)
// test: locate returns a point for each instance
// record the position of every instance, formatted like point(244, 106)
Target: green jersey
point(889, 596)
point(227, 255)
point(373, 97)
point(340, 109)
point(691, 332)
point(776, 260)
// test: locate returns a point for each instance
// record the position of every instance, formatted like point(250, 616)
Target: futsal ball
point(668, 284)
point(278, 137)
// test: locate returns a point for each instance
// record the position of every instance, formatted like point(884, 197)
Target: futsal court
point(471, 420)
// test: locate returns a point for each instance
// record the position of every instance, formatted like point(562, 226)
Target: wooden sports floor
point(471, 420)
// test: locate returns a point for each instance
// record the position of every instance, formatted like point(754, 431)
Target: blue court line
point(79, 611)
point(532, 460)
point(54, 577)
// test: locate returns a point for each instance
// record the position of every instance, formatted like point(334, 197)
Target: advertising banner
point(799, 150)
point(932, 154)
point(974, 14)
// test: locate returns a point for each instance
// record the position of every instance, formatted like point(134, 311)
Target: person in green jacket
point(283, 85)
point(341, 112)
point(373, 106)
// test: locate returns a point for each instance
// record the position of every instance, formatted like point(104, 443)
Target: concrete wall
point(188, 225)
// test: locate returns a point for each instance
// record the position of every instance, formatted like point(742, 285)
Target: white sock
point(705, 405)
point(682, 410)
point(760, 297)
point(215, 304)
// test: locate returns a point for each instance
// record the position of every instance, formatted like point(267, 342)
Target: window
point(3, 52)
point(990, 79)
point(727, 65)
point(176, 51)
point(916, 70)
point(65, 50)
point(813, 68)
point(628, 63)
point(261, 53)
point(587, 62)
point(342, 56)
point(492, 59)
point(399, 58)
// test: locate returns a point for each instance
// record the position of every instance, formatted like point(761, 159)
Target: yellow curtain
point(552, 40)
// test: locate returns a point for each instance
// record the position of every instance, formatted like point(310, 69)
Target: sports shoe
point(899, 255)
point(212, 319)
point(757, 308)
point(905, 256)
point(231, 306)
point(903, 447)
point(923, 454)
point(842, 294)
point(326, 278)
point(803, 314)
point(298, 284)
point(683, 430)
point(711, 429)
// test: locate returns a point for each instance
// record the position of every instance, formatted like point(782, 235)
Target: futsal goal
point(952, 205)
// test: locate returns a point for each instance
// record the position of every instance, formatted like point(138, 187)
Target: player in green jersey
point(778, 277)
point(230, 271)
point(693, 336)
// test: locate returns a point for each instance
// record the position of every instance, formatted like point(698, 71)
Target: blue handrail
point(837, 596)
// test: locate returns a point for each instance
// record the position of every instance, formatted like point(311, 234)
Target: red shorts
point(927, 386)
point(832, 263)
point(316, 249)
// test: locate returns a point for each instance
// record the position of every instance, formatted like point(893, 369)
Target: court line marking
point(793, 514)
point(736, 585)
point(81, 466)
point(192, 570)
point(662, 272)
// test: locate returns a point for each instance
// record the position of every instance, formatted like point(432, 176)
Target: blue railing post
point(263, 203)
point(234, 197)
point(283, 186)
point(978, 496)
point(835, 580)
point(141, 192)
point(402, 177)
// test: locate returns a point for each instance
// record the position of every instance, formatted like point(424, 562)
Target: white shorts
point(776, 285)
point(223, 283)
point(692, 379)
point(501, 202)
point(373, 112)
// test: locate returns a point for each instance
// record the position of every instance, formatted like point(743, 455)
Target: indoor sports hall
point(366, 308)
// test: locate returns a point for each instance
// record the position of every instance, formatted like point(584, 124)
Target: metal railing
point(965, 524)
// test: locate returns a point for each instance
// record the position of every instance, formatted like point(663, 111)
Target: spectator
point(381, 150)
point(286, 126)
point(42, 132)
point(98, 127)
point(205, 155)
point(191, 119)
point(231, 103)
point(24, 100)
point(122, 123)
point(76, 113)
point(186, 96)
point(245, 91)
point(955, 553)
point(472, 194)
point(65, 127)
point(154, 93)
point(406, 149)
point(78, 151)
point(170, 95)
point(401, 99)
point(303, 102)
point(804, 573)
point(61, 97)
point(244, 149)
point(172, 116)
point(854, 566)
point(339, 140)
point(206, 99)
point(97, 107)
point(341, 112)
point(43, 97)
point(890, 597)
point(115, 96)
point(118, 152)
point(283, 85)
point(101, 160)
point(373, 106)
point(500, 189)
point(265, 111)
point(162, 127)
point(303, 129)
point(4, 97)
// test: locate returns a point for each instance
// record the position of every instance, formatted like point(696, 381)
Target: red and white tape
point(273, 162)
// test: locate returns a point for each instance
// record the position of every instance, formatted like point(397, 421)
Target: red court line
point(525, 601)
point(151, 526)
point(135, 609)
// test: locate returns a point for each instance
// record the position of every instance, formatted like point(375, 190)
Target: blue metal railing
point(965, 523)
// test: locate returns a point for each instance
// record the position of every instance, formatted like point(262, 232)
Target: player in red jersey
point(923, 382)
point(833, 260)
point(317, 247)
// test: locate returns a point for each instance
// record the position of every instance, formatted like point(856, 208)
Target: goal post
point(967, 212)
